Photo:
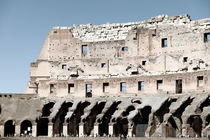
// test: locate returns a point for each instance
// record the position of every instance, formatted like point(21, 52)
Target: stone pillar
point(65, 129)
point(34, 129)
point(17, 130)
point(96, 129)
point(50, 129)
point(2, 130)
point(81, 130)
point(111, 129)
point(185, 128)
point(130, 129)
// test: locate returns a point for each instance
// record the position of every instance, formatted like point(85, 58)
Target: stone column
point(34, 129)
point(81, 130)
point(65, 129)
point(50, 129)
point(130, 129)
point(111, 129)
point(185, 128)
point(96, 129)
point(17, 129)
point(2, 130)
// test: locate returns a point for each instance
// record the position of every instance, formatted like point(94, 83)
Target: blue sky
point(24, 25)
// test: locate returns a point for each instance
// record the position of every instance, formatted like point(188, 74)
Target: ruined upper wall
point(119, 31)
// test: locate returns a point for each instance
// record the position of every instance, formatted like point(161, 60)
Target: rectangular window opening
point(159, 84)
point(84, 49)
point(105, 87)
point(185, 59)
point(70, 88)
point(179, 86)
point(144, 63)
point(64, 66)
point(207, 37)
point(52, 88)
point(141, 85)
point(123, 86)
point(124, 49)
point(103, 65)
point(164, 43)
point(88, 90)
point(200, 81)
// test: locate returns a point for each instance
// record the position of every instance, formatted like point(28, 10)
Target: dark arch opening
point(42, 123)
point(46, 110)
point(141, 121)
point(121, 127)
point(42, 127)
point(9, 128)
point(104, 125)
point(73, 122)
point(196, 124)
point(26, 128)
point(208, 120)
point(59, 118)
point(89, 122)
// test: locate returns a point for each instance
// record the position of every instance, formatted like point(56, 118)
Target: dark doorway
point(179, 86)
point(9, 128)
point(195, 123)
point(26, 128)
point(42, 127)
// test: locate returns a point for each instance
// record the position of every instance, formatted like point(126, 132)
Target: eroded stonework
point(148, 78)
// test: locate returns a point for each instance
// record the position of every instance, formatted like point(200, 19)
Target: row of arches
point(25, 128)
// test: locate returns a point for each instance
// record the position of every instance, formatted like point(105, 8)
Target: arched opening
point(46, 110)
point(59, 119)
point(141, 122)
point(196, 124)
point(42, 123)
point(121, 127)
point(208, 120)
point(104, 125)
point(89, 121)
point(42, 127)
point(73, 122)
point(9, 128)
point(26, 128)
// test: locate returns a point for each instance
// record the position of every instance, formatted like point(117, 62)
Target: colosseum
point(139, 79)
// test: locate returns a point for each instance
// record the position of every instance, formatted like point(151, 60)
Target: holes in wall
point(64, 66)
point(144, 63)
point(179, 86)
point(185, 59)
point(55, 32)
point(141, 85)
point(52, 88)
point(124, 49)
point(123, 86)
point(84, 49)
point(206, 37)
point(200, 81)
point(88, 90)
point(70, 88)
point(159, 84)
point(103, 65)
point(164, 43)
point(105, 87)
